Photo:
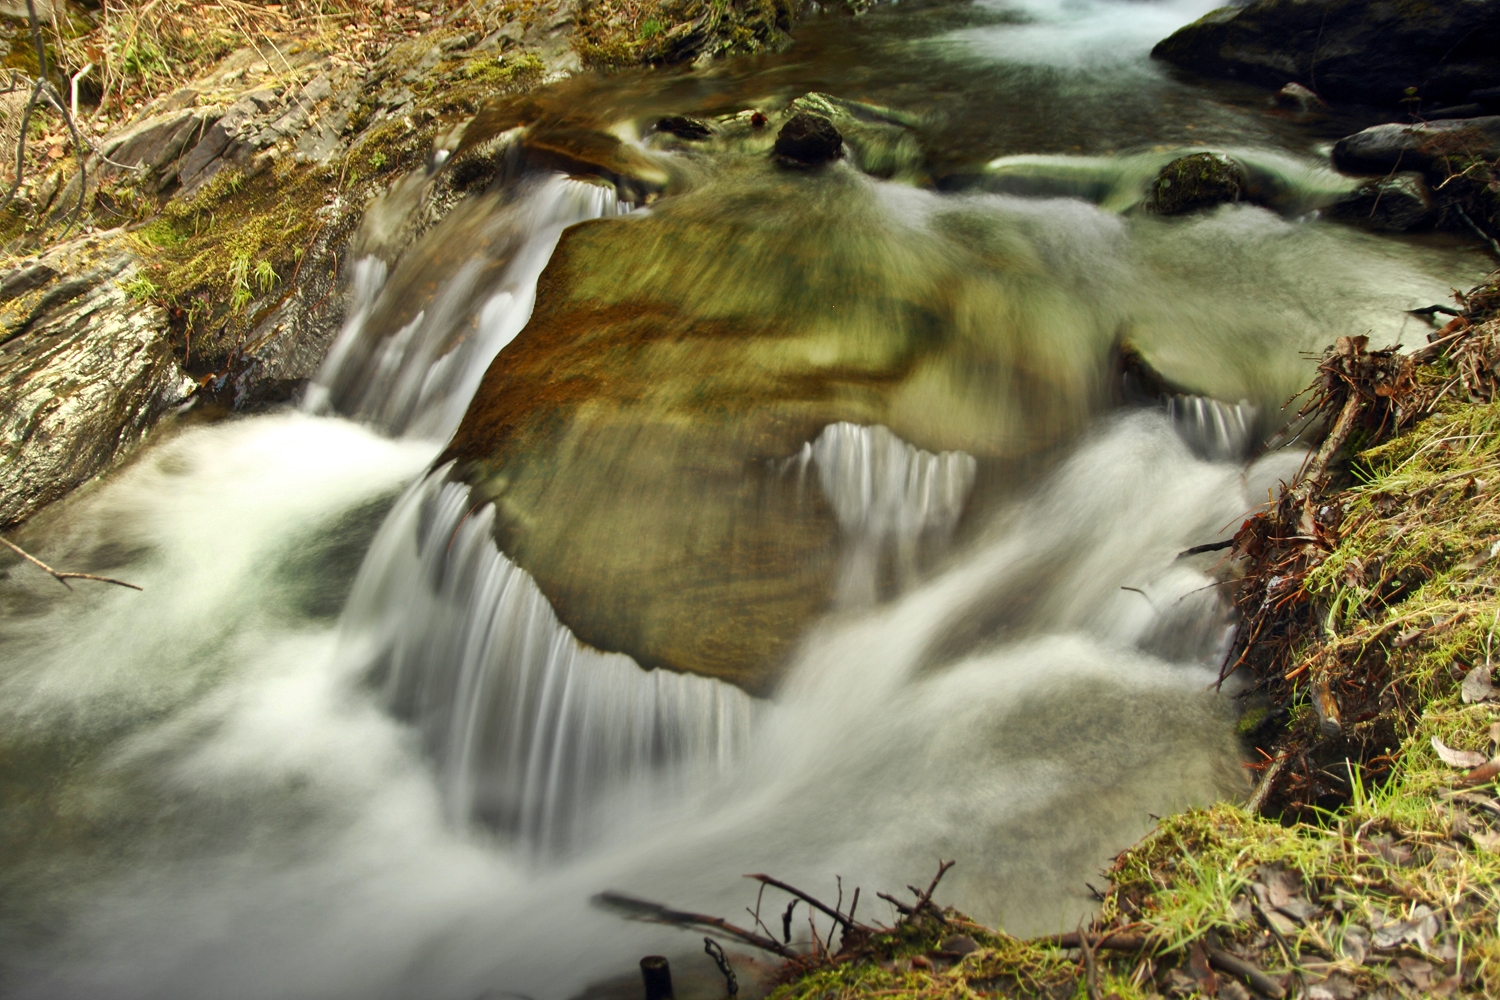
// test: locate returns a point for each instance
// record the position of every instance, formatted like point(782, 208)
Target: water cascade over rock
point(528, 728)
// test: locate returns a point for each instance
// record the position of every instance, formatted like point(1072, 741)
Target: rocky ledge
point(1431, 54)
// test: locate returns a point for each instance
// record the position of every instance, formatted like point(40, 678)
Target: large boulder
point(1381, 149)
point(1348, 50)
point(640, 438)
point(85, 371)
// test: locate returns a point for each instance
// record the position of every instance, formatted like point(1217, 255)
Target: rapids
point(342, 745)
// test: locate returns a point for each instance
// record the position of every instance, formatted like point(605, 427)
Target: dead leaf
point(1421, 928)
point(1201, 972)
point(1457, 758)
point(55, 153)
point(1355, 944)
point(1281, 884)
point(1477, 687)
point(1416, 972)
point(1299, 909)
point(1482, 774)
point(1485, 840)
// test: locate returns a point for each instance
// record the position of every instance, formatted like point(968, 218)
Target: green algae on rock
point(1198, 180)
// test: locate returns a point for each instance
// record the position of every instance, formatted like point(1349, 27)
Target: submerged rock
point(808, 140)
point(1381, 149)
point(684, 127)
point(1199, 180)
point(1399, 203)
point(1347, 50)
point(879, 141)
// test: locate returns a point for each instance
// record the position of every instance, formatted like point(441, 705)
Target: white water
point(226, 790)
point(1087, 35)
point(528, 728)
point(890, 499)
point(416, 379)
point(1019, 708)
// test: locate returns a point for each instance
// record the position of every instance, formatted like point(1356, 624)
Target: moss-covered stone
point(1196, 181)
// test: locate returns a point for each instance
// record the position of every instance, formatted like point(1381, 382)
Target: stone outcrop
point(1381, 149)
point(1348, 50)
point(638, 437)
point(808, 140)
point(1196, 181)
point(85, 371)
point(1401, 202)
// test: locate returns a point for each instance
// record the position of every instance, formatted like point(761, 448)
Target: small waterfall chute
point(412, 375)
point(531, 731)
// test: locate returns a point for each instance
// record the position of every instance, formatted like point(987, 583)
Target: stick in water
point(59, 576)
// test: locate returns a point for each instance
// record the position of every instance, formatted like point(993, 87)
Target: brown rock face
point(633, 436)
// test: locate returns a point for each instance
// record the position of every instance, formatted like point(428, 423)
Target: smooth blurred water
point(342, 746)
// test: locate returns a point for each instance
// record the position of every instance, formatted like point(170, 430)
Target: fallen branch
point(1236, 966)
point(1112, 940)
point(60, 576)
point(847, 921)
point(656, 913)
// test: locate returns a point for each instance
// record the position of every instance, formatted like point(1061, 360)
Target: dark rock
point(1399, 203)
point(879, 141)
point(1294, 95)
point(1347, 50)
point(1487, 98)
point(1199, 180)
point(1384, 148)
point(808, 140)
point(25, 279)
point(684, 128)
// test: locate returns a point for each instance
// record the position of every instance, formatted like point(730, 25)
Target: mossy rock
point(1196, 181)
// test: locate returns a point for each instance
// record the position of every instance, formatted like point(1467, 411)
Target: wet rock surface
point(1348, 50)
point(684, 127)
point(639, 438)
point(1400, 203)
point(1383, 148)
point(808, 140)
point(85, 371)
point(1196, 181)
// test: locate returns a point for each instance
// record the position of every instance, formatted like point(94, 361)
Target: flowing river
point(344, 745)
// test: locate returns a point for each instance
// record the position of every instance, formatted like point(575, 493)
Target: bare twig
point(1236, 966)
point(59, 576)
point(1090, 967)
point(641, 909)
point(925, 898)
point(809, 900)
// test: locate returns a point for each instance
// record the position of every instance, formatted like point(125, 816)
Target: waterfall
point(413, 376)
point(891, 500)
point(1219, 432)
point(530, 730)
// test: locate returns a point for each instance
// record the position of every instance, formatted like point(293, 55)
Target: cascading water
point(889, 498)
point(528, 727)
point(343, 745)
point(417, 379)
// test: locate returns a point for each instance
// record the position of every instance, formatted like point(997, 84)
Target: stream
point(343, 745)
